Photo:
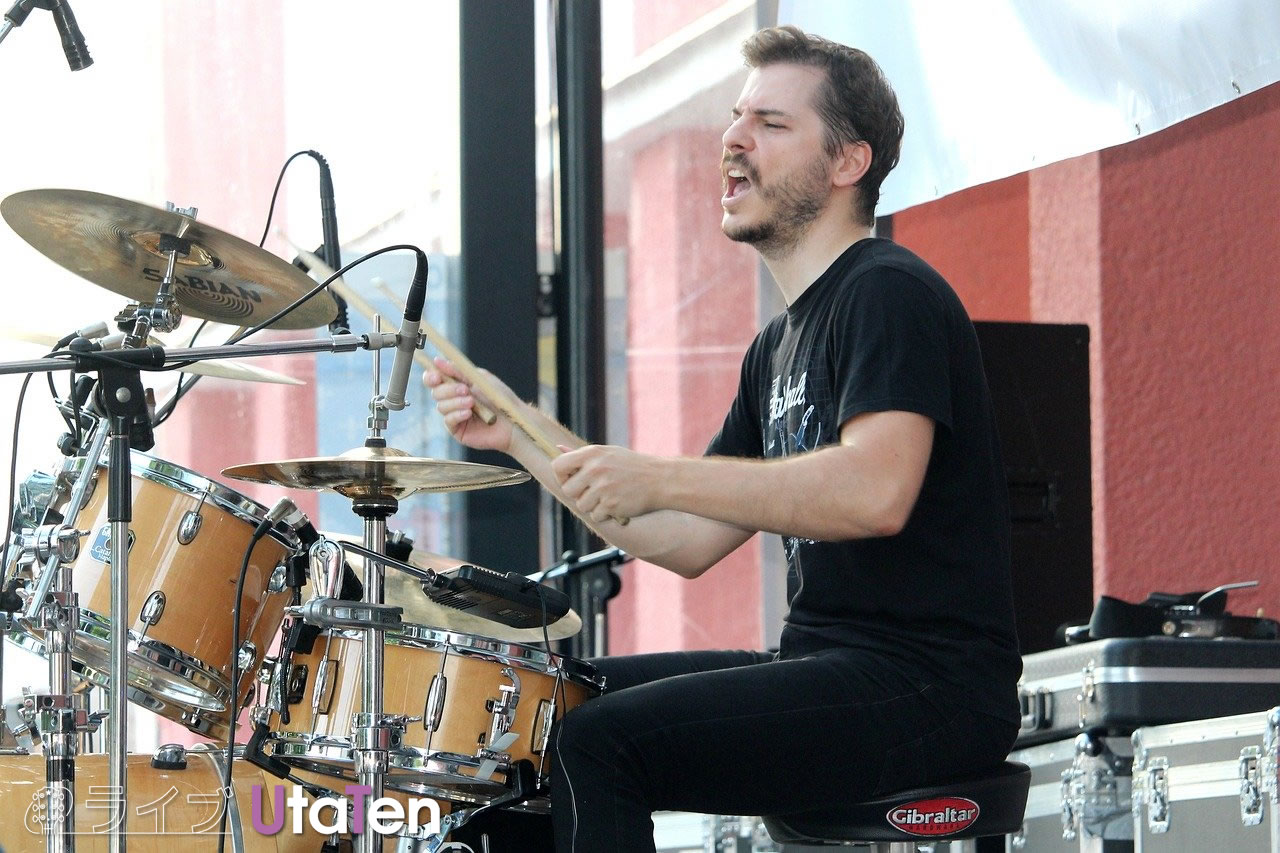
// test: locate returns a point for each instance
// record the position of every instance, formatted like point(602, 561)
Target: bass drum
point(166, 807)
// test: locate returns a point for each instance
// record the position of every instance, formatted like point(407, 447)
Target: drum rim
point(171, 474)
point(323, 754)
point(411, 636)
point(175, 663)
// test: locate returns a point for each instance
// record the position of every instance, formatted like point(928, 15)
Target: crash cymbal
point(404, 591)
point(115, 243)
point(377, 471)
point(225, 368)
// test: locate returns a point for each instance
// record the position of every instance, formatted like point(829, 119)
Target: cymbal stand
point(54, 607)
point(372, 736)
point(163, 315)
point(129, 425)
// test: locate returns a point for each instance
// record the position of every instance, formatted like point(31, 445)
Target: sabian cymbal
point(377, 471)
point(115, 243)
point(404, 591)
point(222, 368)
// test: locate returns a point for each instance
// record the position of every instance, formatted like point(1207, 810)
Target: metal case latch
point(1088, 692)
point(1158, 795)
point(1036, 708)
point(1251, 807)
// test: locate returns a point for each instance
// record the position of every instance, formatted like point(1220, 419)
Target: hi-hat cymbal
point(404, 591)
point(115, 243)
point(224, 368)
point(377, 472)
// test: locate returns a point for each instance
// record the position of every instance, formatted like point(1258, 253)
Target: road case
point(1080, 798)
point(1121, 684)
point(1207, 785)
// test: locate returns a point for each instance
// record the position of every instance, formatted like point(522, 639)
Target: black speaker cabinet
point(1039, 378)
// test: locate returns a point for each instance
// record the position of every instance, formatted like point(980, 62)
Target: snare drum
point(474, 705)
point(166, 807)
point(187, 540)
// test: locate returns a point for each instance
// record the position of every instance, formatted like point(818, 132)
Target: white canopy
point(990, 88)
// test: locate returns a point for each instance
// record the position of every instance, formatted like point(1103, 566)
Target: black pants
point(744, 733)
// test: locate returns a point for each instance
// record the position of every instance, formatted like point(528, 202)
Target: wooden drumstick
point(364, 307)
point(478, 380)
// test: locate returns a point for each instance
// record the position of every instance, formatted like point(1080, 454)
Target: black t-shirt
point(881, 330)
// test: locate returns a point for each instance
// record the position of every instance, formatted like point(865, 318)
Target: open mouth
point(736, 184)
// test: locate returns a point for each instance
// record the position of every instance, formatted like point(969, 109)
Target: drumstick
point(474, 377)
point(364, 307)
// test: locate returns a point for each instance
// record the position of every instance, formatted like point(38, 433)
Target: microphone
point(282, 509)
point(332, 249)
point(297, 521)
point(407, 338)
point(73, 45)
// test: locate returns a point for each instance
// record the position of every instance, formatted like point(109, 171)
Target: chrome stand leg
point(120, 514)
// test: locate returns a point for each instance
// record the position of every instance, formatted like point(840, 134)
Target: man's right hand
point(456, 403)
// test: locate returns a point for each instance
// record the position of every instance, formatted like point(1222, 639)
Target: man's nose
point(736, 138)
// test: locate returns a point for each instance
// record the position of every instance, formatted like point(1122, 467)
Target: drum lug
point(266, 670)
point(152, 610)
point(434, 708)
point(171, 756)
point(189, 526)
point(543, 721)
point(248, 651)
point(278, 577)
point(322, 695)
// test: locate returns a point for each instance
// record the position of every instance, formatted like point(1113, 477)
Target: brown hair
point(856, 102)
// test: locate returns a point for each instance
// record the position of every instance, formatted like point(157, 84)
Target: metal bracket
point(335, 613)
point(503, 708)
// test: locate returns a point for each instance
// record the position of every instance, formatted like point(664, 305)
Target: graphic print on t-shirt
point(791, 430)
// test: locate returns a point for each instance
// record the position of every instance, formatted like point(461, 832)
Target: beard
point(794, 202)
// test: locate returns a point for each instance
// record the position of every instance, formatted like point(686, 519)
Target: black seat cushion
point(990, 804)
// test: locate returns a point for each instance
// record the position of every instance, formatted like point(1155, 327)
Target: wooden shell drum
point(473, 706)
point(188, 537)
point(166, 807)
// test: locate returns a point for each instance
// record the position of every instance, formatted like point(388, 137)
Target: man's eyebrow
point(764, 112)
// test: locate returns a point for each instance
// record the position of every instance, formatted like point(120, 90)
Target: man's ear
point(852, 163)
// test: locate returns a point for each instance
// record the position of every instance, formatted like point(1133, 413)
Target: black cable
point(258, 533)
point(266, 229)
point(271, 209)
point(185, 383)
point(422, 260)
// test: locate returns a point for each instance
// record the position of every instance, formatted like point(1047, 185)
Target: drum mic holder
point(509, 599)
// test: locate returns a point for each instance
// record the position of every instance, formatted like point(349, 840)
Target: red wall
point(1168, 247)
point(223, 152)
point(691, 314)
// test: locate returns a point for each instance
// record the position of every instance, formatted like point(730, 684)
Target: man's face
point(776, 176)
